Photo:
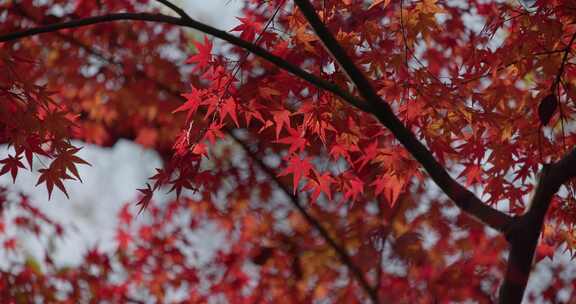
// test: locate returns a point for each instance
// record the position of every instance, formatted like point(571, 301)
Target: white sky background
point(116, 173)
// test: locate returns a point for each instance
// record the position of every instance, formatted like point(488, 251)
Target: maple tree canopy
point(346, 150)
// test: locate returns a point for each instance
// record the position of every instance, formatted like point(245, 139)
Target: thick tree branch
point(565, 169)
point(463, 198)
point(525, 230)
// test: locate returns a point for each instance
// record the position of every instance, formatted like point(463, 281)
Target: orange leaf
point(379, 2)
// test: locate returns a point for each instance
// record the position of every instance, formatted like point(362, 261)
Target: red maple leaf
point(338, 151)
point(32, 145)
point(544, 251)
point(10, 244)
point(390, 185)
point(193, 101)
point(320, 184)
point(144, 201)
point(354, 187)
point(247, 28)
point(161, 177)
point(67, 160)
point(281, 118)
point(296, 140)
point(473, 174)
point(214, 132)
point(369, 155)
point(11, 164)
point(123, 238)
point(229, 109)
point(203, 58)
point(53, 176)
point(125, 216)
point(182, 182)
point(298, 168)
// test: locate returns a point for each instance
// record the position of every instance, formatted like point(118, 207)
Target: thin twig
point(563, 63)
point(465, 81)
point(176, 9)
point(343, 255)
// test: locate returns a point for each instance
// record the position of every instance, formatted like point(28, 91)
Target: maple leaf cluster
point(34, 124)
point(312, 197)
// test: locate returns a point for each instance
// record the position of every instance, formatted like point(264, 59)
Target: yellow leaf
point(305, 37)
point(506, 132)
point(429, 7)
point(33, 265)
point(399, 228)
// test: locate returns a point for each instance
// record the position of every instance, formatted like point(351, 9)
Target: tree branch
point(176, 9)
point(525, 230)
point(160, 18)
point(563, 63)
point(463, 198)
point(340, 251)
